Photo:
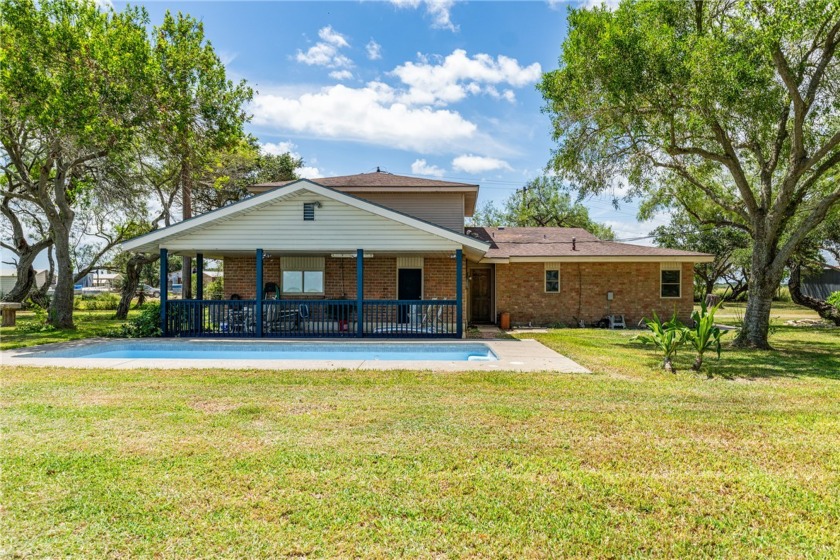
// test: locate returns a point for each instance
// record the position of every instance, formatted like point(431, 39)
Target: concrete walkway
point(514, 355)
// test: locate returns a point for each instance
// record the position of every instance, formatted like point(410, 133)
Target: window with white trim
point(552, 279)
point(302, 275)
point(670, 280)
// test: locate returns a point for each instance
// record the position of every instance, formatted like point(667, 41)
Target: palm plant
point(666, 337)
point(704, 335)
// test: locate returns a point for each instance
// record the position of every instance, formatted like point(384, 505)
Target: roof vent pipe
point(574, 243)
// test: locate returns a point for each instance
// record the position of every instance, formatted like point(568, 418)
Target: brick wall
point(340, 277)
point(520, 290)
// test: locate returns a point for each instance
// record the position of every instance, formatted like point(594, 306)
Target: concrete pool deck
point(526, 355)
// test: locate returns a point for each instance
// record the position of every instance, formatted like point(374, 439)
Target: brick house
point(385, 255)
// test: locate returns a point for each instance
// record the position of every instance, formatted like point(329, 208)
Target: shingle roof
point(375, 179)
point(557, 242)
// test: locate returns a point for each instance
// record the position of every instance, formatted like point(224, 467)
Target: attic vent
point(309, 211)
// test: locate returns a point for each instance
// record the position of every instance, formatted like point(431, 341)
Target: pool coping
point(522, 355)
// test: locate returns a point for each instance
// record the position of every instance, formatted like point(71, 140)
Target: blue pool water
point(215, 350)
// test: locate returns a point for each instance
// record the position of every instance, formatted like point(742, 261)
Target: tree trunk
point(669, 366)
point(764, 281)
point(61, 307)
point(39, 295)
point(131, 279)
point(24, 282)
point(825, 309)
point(698, 362)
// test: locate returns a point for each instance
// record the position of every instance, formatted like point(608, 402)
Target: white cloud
point(439, 10)
point(370, 114)
point(341, 74)
point(329, 35)
point(279, 148)
point(454, 77)
point(420, 167)
point(374, 50)
point(104, 5)
point(478, 164)
point(309, 172)
point(326, 52)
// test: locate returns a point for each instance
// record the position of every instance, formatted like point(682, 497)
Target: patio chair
point(302, 316)
point(617, 322)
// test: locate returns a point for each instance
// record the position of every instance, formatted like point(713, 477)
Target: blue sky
point(439, 89)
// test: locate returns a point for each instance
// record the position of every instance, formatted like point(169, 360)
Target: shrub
point(704, 335)
point(99, 302)
point(834, 299)
point(666, 337)
point(146, 324)
point(214, 290)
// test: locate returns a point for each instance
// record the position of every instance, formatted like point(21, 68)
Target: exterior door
point(480, 295)
point(409, 287)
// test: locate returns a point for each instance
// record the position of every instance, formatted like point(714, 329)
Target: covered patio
point(305, 260)
point(292, 303)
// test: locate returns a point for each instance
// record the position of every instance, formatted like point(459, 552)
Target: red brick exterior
point(520, 291)
point(340, 277)
point(519, 287)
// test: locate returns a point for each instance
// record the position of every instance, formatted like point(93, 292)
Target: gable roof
point(376, 179)
point(381, 181)
point(556, 244)
point(151, 240)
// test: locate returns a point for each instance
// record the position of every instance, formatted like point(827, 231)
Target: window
point(303, 281)
point(552, 281)
point(670, 280)
point(309, 211)
point(302, 275)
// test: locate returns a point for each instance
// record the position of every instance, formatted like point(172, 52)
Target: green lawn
point(88, 324)
point(626, 462)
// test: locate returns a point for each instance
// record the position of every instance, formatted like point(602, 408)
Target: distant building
point(822, 285)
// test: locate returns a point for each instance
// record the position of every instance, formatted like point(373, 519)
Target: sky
point(441, 88)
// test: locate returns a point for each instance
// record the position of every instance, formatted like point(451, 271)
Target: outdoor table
point(9, 312)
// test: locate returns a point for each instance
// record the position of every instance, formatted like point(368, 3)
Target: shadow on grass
point(791, 357)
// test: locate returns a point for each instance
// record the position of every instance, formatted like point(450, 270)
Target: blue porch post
point(259, 291)
point(164, 288)
point(199, 276)
point(459, 287)
point(360, 292)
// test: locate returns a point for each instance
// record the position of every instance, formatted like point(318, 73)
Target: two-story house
point(386, 255)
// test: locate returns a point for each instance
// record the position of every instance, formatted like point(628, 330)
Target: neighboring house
point(822, 285)
point(9, 279)
point(99, 278)
point(422, 273)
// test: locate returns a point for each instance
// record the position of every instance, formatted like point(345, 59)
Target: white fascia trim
point(280, 192)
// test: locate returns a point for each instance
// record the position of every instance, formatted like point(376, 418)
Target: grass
point(626, 462)
point(88, 324)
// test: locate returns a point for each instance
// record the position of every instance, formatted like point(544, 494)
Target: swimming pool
point(243, 350)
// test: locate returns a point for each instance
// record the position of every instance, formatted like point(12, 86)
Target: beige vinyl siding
point(442, 209)
point(279, 226)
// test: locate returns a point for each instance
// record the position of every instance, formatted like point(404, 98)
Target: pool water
point(207, 350)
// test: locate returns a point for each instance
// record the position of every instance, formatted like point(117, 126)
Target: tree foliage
point(730, 110)
point(541, 203)
point(74, 95)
